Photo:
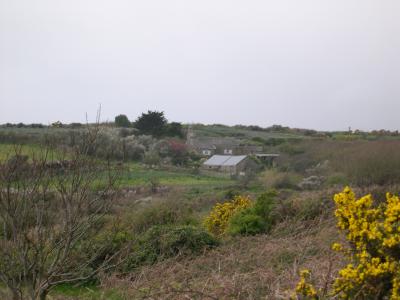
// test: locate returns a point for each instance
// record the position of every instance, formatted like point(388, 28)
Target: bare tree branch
point(47, 212)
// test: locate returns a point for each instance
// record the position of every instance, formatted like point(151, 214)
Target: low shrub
point(218, 219)
point(302, 207)
point(265, 204)
point(162, 242)
point(310, 208)
point(286, 181)
point(107, 244)
point(274, 179)
point(256, 219)
point(245, 222)
point(102, 249)
point(170, 212)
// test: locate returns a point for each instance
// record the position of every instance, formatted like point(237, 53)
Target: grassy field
point(135, 174)
point(138, 174)
point(30, 150)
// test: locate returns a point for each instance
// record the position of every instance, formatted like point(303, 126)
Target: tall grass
point(361, 162)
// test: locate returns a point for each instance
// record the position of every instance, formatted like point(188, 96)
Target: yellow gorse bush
point(373, 248)
point(373, 233)
point(218, 219)
point(304, 289)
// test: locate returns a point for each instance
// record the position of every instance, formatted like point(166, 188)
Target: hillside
point(156, 223)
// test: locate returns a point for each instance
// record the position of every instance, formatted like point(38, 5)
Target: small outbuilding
point(229, 164)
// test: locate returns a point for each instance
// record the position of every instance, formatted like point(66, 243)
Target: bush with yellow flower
point(372, 249)
point(218, 220)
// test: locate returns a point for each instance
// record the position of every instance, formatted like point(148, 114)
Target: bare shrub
point(360, 162)
point(45, 215)
point(375, 162)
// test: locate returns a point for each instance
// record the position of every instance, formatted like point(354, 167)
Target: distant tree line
point(22, 125)
point(57, 124)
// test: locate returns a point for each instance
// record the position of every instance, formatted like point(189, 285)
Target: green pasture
point(134, 175)
point(137, 175)
point(31, 150)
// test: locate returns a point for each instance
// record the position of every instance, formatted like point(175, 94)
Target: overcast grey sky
point(322, 64)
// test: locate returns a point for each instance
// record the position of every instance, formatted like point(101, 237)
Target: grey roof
point(267, 155)
point(207, 147)
point(224, 160)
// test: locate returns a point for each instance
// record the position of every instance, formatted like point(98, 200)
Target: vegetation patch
point(161, 242)
point(373, 241)
point(217, 221)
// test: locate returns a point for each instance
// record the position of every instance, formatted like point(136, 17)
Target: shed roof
point(207, 147)
point(267, 155)
point(224, 160)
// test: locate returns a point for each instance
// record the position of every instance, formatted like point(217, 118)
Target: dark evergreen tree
point(175, 129)
point(122, 121)
point(152, 122)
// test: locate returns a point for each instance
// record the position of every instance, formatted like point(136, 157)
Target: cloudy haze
point(319, 64)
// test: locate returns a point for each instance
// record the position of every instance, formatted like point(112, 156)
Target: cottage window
point(228, 151)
